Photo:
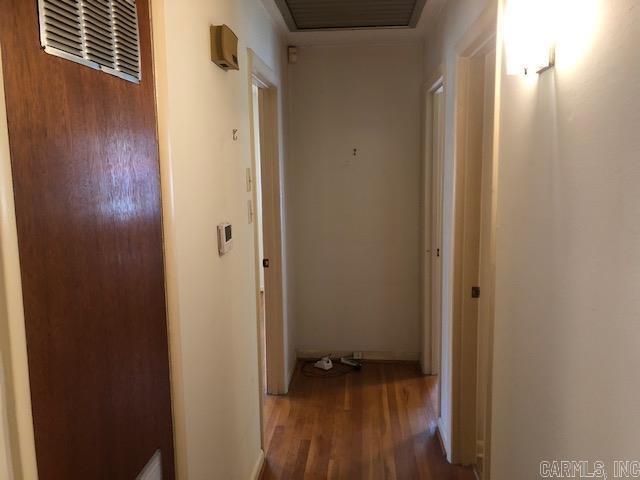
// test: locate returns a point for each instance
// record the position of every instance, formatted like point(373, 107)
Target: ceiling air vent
point(101, 34)
point(303, 15)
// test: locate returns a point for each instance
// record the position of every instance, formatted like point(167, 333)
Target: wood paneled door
point(84, 156)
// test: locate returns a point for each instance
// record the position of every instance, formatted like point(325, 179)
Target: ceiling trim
point(417, 13)
point(286, 15)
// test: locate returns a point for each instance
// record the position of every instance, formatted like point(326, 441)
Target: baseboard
point(475, 472)
point(368, 356)
point(442, 437)
point(292, 371)
point(256, 473)
point(480, 461)
point(153, 469)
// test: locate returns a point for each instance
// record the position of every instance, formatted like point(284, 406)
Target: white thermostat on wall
point(225, 238)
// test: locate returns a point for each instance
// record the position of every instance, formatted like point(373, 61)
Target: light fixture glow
point(576, 29)
point(530, 35)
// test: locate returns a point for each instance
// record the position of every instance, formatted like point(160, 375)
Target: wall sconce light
point(529, 35)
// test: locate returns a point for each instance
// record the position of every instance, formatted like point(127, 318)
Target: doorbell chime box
point(224, 47)
point(225, 238)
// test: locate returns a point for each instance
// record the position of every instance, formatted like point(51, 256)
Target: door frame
point(16, 423)
point(432, 185)
point(270, 163)
point(479, 41)
point(486, 270)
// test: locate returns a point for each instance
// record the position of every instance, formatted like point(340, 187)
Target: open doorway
point(473, 257)
point(257, 218)
point(437, 172)
point(266, 216)
point(432, 234)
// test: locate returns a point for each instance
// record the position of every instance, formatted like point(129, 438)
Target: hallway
point(199, 196)
point(379, 423)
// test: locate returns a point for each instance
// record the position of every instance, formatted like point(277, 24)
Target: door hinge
point(475, 292)
point(265, 263)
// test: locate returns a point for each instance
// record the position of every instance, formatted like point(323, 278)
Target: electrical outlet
point(357, 355)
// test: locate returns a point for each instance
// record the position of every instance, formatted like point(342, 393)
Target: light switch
point(249, 180)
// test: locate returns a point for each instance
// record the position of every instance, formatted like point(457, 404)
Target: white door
point(437, 152)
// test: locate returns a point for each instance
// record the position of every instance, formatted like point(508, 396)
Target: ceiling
point(313, 15)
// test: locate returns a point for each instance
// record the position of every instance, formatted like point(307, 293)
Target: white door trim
point(477, 43)
point(261, 74)
point(16, 420)
point(431, 327)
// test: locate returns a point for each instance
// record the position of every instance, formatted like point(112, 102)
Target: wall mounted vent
point(101, 34)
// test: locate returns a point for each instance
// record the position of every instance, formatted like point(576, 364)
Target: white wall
point(6, 455)
point(568, 250)
point(568, 255)
point(355, 220)
point(440, 53)
point(212, 312)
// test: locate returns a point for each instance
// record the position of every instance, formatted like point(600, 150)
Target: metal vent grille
point(350, 14)
point(101, 34)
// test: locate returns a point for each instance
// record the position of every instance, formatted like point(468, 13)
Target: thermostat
point(225, 238)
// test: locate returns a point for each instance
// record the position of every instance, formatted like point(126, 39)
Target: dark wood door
point(87, 191)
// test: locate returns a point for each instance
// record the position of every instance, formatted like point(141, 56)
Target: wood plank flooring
point(379, 423)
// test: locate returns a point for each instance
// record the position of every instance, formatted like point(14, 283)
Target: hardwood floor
point(379, 423)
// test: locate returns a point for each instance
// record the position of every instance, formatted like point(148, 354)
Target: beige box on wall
point(224, 47)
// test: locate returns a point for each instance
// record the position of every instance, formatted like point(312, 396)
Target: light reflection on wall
point(575, 30)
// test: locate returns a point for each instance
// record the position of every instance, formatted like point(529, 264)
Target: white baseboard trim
point(445, 440)
point(379, 356)
point(424, 366)
point(257, 468)
point(292, 370)
point(153, 469)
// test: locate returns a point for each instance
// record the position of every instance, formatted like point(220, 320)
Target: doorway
point(437, 172)
point(259, 232)
point(266, 216)
point(432, 234)
point(473, 257)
